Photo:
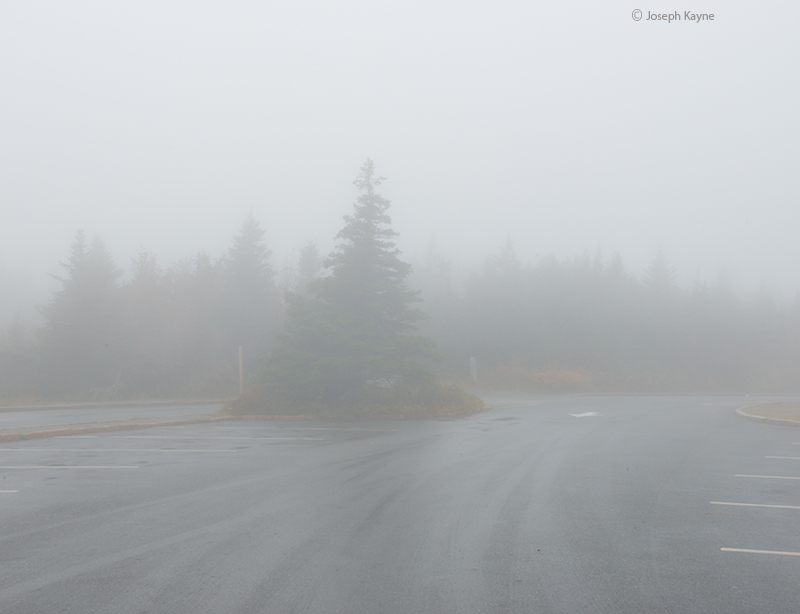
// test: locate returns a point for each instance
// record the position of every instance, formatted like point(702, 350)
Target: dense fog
point(577, 324)
point(588, 201)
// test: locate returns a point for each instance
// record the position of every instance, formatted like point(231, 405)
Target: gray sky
point(566, 124)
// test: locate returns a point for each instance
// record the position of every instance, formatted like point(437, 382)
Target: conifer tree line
point(360, 322)
point(165, 332)
point(587, 324)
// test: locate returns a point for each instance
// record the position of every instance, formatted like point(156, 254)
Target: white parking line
point(785, 457)
point(768, 477)
point(760, 551)
point(107, 450)
point(310, 428)
point(788, 507)
point(69, 466)
point(9, 491)
point(195, 437)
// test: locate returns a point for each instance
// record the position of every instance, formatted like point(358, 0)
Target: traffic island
point(786, 413)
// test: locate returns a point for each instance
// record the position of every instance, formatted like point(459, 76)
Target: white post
point(241, 372)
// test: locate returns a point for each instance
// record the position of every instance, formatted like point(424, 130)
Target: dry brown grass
point(778, 411)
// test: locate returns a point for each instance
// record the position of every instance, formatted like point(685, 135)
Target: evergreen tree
point(434, 279)
point(308, 266)
point(174, 339)
point(659, 276)
point(505, 263)
point(17, 361)
point(250, 303)
point(82, 341)
point(13, 339)
point(355, 330)
point(616, 275)
point(147, 300)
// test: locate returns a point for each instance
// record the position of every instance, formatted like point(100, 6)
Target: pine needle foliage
point(352, 332)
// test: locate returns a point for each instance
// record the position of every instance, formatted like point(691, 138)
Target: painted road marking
point(9, 491)
point(760, 551)
point(69, 466)
point(788, 507)
point(785, 457)
point(769, 477)
point(105, 450)
point(195, 437)
point(515, 406)
point(309, 428)
point(588, 414)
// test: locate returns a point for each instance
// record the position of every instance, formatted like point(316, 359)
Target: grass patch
point(778, 411)
point(431, 400)
point(647, 378)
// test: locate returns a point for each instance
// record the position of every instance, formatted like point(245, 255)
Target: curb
point(101, 428)
point(110, 428)
point(102, 404)
point(775, 421)
point(265, 417)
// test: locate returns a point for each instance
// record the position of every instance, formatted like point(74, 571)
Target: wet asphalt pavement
point(565, 504)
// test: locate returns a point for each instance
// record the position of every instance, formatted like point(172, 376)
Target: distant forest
point(583, 324)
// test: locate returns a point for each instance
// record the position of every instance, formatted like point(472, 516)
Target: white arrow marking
point(588, 414)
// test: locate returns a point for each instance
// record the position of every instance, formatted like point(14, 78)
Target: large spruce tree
point(353, 330)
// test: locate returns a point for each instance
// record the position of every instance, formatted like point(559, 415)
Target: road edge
point(103, 428)
point(776, 421)
point(103, 404)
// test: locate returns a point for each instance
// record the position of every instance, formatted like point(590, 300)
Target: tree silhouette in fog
point(659, 276)
point(585, 323)
point(355, 328)
point(81, 338)
point(250, 303)
point(309, 265)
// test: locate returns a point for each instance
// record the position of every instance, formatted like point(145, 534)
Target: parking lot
point(553, 504)
point(764, 500)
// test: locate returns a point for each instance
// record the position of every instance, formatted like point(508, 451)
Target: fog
point(567, 126)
